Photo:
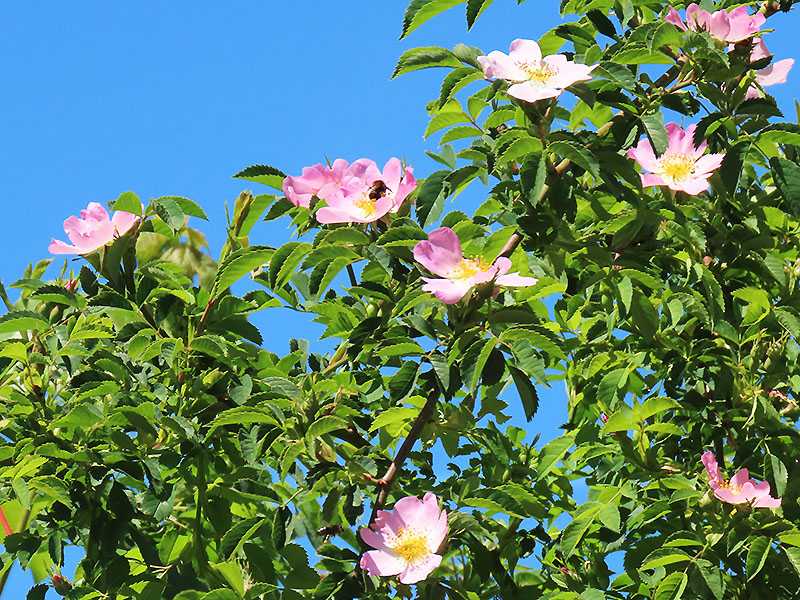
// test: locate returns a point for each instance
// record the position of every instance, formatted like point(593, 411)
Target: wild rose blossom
point(740, 489)
point(406, 539)
point(92, 230)
point(441, 254)
point(682, 167)
point(725, 26)
point(776, 72)
point(350, 181)
point(365, 195)
point(534, 77)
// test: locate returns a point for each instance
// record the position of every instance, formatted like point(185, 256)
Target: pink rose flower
point(776, 72)
point(441, 254)
point(682, 167)
point(729, 27)
point(406, 539)
point(343, 178)
point(92, 230)
point(740, 489)
point(534, 77)
point(365, 194)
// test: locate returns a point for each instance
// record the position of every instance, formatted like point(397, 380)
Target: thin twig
point(385, 482)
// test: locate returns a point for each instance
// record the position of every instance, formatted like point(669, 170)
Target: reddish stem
point(4, 521)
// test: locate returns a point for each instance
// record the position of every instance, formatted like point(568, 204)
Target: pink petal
point(767, 502)
point(525, 50)
point(741, 477)
point(516, 280)
point(416, 513)
point(94, 211)
point(712, 468)
point(758, 50)
point(448, 291)
point(420, 571)
point(643, 154)
point(373, 538)
point(775, 73)
point(741, 25)
point(377, 562)
point(497, 65)
point(392, 173)
point(438, 532)
point(697, 18)
point(708, 163)
point(719, 26)
point(531, 92)
point(440, 252)
point(692, 187)
point(678, 139)
point(728, 496)
point(123, 221)
point(649, 179)
point(407, 185)
point(59, 247)
point(569, 72)
point(674, 18)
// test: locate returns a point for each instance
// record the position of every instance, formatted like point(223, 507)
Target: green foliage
point(144, 421)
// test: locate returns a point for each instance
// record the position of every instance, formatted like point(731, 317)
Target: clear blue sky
point(173, 98)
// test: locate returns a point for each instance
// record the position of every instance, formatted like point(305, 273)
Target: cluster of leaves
point(144, 421)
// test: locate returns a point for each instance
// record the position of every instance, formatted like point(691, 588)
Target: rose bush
point(145, 423)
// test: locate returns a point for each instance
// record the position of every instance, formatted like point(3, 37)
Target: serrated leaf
point(263, 174)
point(654, 126)
point(671, 587)
point(128, 202)
point(396, 414)
point(419, 11)
point(188, 207)
point(285, 261)
point(526, 391)
point(757, 556)
point(552, 454)
point(475, 360)
point(242, 415)
point(22, 320)
point(474, 10)
point(325, 425)
point(578, 154)
point(430, 198)
point(637, 53)
point(240, 263)
point(786, 176)
point(425, 58)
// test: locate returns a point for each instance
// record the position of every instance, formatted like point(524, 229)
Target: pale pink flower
point(776, 72)
point(406, 539)
point(441, 254)
point(740, 489)
point(365, 194)
point(322, 181)
point(92, 230)
point(725, 26)
point(682, 167)
point(533, 77)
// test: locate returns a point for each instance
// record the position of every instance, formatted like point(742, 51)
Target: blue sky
point(173, 98)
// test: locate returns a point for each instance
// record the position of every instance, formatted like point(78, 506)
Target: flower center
point(366, 204)
point(468, 267)
point(735, 490)
point(538, 71)
point(412, 545)
point(677, 166)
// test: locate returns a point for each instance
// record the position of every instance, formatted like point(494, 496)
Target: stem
point(206, 312)
point(352, 275)
point(4, 521)
point(385, 482)
point(23, 523)
point(199, 548)
point(5, 297)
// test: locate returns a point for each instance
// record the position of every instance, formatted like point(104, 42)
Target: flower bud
point(60, 583)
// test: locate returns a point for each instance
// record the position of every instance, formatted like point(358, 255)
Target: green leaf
point(474, 10)
point(419, 11)
point(430, 198)
point(325, 425)
point(654, 125)
point(285, 261)
point(671, 587)
point(263, 174)
point(403, 235)
point(786, 176)
point(169, 211)
point(189, 207)
point(475, 360)
point(220, 594)
point(757, 556)
point(578, 154)
point(552, 453)
point(242, 415)
point(526, 390)
point(240, 263)
point(456, 80)
point(656, 405)
point(793, 554)
point(536, 337)
point(128, 202)
point(396, 414)
point(22, 320)
point(424, 58)
point(637, 53)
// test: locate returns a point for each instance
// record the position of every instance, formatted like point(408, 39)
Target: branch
point(385, 482)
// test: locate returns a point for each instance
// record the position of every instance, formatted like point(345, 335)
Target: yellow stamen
point(537, 71)
point(677, 166)
point(735, 490)
point(411, 545)
point(365, 203)
point(468, 267)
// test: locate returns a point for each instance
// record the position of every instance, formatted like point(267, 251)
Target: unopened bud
point(71, 285)
point(60, 584)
